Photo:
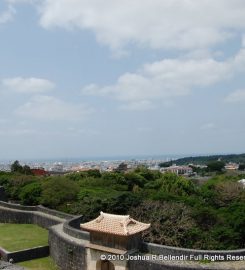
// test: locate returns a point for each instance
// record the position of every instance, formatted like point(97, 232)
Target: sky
point(91, 78)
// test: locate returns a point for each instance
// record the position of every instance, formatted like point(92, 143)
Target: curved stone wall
point(54, 212)
point(28, 216)
point(68, 252)
point(18, 206)
point(72, 228)
point(39, 208)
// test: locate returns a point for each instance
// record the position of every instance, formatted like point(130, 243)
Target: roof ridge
point(114, 215)
point(115, 224)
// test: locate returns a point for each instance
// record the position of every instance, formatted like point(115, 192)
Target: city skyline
point(141, 78)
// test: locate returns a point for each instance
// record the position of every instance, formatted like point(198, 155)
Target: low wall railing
point(25, 254)
point(18, 206)
point(40, 208)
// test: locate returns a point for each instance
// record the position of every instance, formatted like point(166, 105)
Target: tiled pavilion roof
point(115, 224)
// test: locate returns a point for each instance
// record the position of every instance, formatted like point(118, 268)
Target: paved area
point(9, 266)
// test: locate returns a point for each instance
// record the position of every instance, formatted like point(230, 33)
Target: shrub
point(30, 194)
point(58, 190)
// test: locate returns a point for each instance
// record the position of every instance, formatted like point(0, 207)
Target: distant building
point(200, 166)
point(231, 166)
point(79, 169)
point(179, 170)
point(242, 181)
point(58, 167)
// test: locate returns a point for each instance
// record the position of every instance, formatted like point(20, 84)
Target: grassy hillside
point(239, 158)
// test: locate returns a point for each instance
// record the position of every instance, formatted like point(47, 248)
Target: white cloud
point(141, 105)
point(207, 126)
point(49, 108)
point(17, 132)
point(167, 79)
point(27, 85)
point(167, 24)
point(239, 60)
point(93, 89)
point(3, 121)
point(7, 15)
point(243, 41)
point(236, 96)
point(82, 131)
point(21, 1)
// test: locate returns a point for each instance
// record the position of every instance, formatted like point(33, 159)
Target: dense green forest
point(239, 158)
point(182, 213)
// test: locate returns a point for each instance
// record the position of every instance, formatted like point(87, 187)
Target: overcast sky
point(84, 78)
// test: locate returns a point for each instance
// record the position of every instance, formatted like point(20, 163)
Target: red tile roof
point(115, 224)
point(39, 172)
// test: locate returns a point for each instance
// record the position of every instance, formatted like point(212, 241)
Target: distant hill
point(237, 158)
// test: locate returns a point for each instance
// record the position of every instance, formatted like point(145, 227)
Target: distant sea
point(165, 157)
point(101, 158)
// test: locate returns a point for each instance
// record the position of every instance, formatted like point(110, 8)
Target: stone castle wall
point(3, 196)
point(28, 216)
point(67, 252)
point(39, 215)
point(72, 228)
point(25, 254)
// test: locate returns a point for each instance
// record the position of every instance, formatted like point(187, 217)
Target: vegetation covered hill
point(182, 213)
point(237, 158)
